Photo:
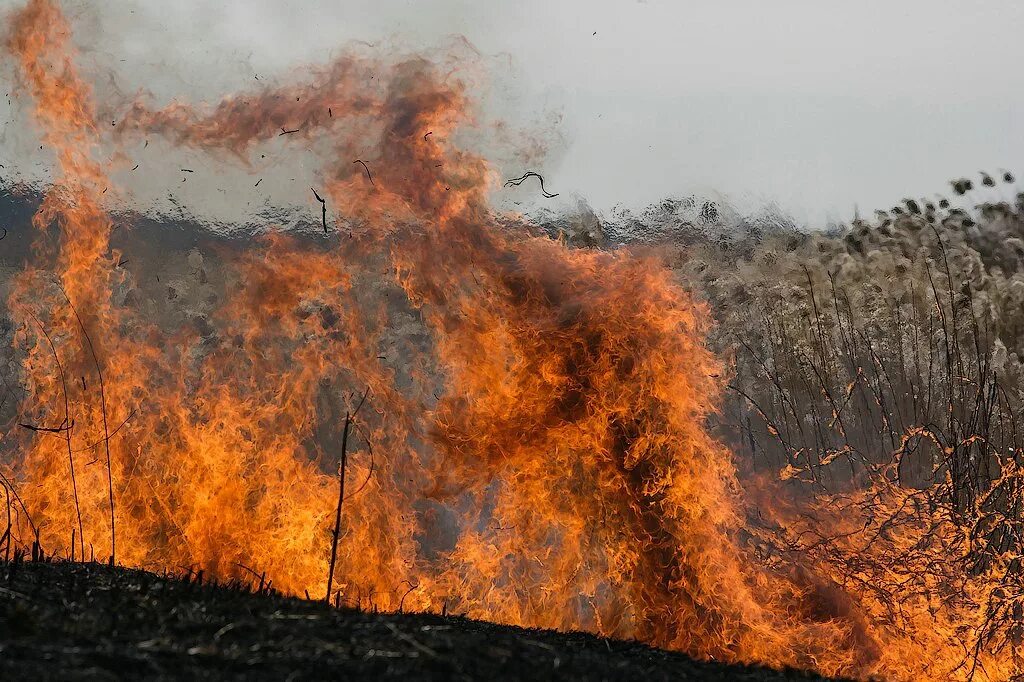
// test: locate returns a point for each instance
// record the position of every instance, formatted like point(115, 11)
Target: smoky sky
point(815, 106)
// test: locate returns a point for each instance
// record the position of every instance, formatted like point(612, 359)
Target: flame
point(534, 455)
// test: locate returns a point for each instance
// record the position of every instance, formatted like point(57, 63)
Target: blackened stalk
point(323, 208)
point(337, 514)
point(349, 416)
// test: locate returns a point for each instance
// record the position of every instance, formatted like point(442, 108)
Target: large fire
point(538, 456)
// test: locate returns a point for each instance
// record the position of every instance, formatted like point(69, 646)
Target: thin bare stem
point(106, 428)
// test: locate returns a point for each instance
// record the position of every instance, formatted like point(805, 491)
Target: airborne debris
point(515, 182)
point(366, 168)
point(44, 429)
point(323, 207)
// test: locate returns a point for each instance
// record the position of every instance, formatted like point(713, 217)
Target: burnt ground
point(67, 621)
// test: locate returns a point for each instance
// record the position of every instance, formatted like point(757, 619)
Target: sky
point(817, 106)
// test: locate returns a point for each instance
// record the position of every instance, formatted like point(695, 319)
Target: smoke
point(136, 50)
point(749, 99)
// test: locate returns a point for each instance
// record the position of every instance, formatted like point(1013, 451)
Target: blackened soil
point(65, 621)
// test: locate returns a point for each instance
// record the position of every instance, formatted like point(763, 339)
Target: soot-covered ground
point(61, 620)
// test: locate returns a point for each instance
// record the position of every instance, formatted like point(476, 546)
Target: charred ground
point(62, 620)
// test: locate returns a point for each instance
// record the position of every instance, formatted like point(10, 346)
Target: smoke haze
point(812, 106)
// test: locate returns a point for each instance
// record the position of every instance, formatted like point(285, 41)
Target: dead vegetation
point(878, 374)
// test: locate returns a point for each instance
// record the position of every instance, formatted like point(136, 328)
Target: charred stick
point(349, 416)
point(515, 182)
point(337, 514)
point(48, 429)
point(323, 208)
point(365, 168)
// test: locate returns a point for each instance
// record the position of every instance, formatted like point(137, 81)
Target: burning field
point(425, 405)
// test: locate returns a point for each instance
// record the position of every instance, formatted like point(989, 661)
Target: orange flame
point(535, 453)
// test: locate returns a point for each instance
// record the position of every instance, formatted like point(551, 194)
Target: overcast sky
point(817, 105)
